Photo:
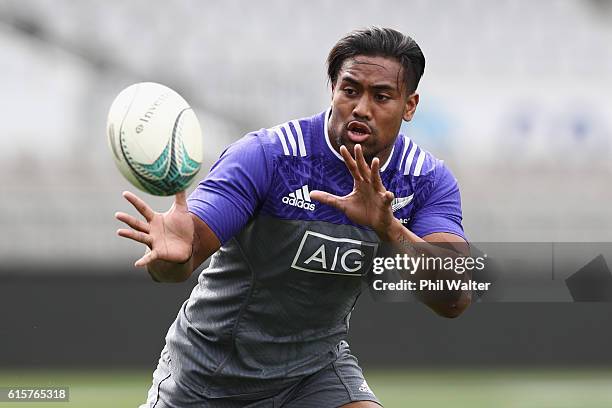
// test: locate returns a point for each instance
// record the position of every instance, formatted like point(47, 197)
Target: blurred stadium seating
point(514, 98)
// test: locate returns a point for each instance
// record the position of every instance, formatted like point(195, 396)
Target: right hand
point(168, 235)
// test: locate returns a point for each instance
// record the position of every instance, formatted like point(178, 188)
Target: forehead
point(372, 70)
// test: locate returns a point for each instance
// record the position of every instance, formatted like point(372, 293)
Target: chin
point(368, 152)
point(350, 145)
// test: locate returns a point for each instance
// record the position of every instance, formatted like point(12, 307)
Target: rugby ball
point(155, 138)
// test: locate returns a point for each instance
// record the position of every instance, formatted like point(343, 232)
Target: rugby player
point(292, 216)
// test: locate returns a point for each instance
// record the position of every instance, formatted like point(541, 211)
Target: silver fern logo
point(401, 202)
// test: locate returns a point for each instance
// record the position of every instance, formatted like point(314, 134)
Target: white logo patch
point(401, 202)
point(364, 387)
point(300, 198)
point(320, 253)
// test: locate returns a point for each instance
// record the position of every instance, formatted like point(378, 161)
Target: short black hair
point(379, 42)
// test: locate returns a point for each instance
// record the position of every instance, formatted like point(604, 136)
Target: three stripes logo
point(300, 198)
point(291, 138)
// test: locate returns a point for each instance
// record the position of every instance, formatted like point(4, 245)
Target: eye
point(349, 91)
point(382, 97)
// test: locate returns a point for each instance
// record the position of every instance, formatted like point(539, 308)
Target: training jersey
point(277, 296)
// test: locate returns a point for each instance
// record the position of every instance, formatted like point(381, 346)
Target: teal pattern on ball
point(171, 172)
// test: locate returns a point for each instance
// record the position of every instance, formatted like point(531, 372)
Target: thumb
point(389, 196)
point(326, 198)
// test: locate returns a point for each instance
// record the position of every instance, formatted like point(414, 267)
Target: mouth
point(358, 132)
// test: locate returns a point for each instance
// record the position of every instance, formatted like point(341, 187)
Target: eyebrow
point(378, 87)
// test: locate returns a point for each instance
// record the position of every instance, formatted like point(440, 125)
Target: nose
point(361, 110)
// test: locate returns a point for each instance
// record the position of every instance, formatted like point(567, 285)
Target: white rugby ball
point(155, 138)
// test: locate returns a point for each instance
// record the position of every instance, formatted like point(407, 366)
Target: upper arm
point(439, 221)
point(458, 306)
point(206, 242)
point(439, 215)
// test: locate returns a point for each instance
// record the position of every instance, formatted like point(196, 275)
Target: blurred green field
point(396, 389)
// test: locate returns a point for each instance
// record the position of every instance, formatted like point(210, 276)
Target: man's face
point(369, 101)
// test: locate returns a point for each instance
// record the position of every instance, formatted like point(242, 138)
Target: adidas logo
point(300, 198)
point(401, 202)
point(364, 387)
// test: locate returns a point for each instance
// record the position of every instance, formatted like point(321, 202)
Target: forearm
point(448, 303)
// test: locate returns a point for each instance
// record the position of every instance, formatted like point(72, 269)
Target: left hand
point(369, 203)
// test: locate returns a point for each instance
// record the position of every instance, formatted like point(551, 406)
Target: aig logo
point(319, 253)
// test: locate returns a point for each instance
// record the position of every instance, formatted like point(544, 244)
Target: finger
point(364, 169)
point(133, 222)
point(376, 180)
point(144, 261)
point(327, 199)
point(350, 163)
point(142, 207)
point(180, 200)
point(137, 236)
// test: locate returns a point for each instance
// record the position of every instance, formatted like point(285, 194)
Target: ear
point(410, 108)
